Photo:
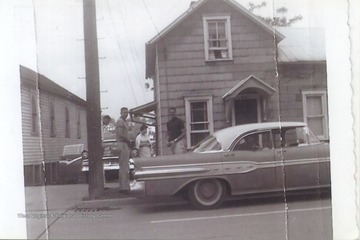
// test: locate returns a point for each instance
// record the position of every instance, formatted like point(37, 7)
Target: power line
point(152, 20)
point(122, 56)
point(134, 55)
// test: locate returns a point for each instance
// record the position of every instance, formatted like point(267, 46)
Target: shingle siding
point(295, 78)
point(53, 146)
point(32, 146)
point(181, 69)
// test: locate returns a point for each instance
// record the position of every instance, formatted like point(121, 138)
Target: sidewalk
point(62, 197)
point(46, 204)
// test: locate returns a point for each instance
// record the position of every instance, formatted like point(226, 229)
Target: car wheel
point(207, 193)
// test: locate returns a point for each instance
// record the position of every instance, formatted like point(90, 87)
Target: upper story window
point(67, 123)
point(315, 112)
point(217, 38)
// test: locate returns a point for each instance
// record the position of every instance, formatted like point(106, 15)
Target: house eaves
point(36, 80)
point(146, 112)
point(150, 46)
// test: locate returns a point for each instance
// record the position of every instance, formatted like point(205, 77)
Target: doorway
point(246, 111)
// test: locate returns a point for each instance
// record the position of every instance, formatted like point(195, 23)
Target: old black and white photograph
point(180, 119)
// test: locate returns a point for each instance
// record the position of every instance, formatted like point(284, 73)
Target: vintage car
point(242, 160)
point(70, 163)
point(110, 156)
point(110, 159)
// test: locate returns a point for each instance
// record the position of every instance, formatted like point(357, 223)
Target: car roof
point(227, 135)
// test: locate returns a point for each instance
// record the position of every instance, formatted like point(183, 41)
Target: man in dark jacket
point(176, 133)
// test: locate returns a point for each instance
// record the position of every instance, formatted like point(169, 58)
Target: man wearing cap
point(142, 142)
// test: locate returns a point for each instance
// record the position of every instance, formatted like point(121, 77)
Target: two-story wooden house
point(220, 66)
point(52, 117)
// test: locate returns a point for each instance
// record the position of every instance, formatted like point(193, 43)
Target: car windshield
point(208, 144)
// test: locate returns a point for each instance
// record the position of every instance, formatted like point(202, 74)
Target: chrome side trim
point(182, 165)
point(172, 172)
point(278, 162)
point(248, 166)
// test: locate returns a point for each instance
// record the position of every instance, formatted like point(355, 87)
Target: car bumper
point(137, 188)
point(106, 168)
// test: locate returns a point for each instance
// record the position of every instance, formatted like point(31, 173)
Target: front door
point(246, 111)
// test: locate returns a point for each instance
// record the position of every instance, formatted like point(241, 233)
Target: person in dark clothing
point(176, 133)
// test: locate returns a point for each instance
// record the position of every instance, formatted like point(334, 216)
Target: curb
point(109, 204)
point(106, 203)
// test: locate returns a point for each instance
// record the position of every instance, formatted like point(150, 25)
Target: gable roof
point(249, 82)
point(301, 45)
point(151, 45)
point(193, 7)
point(32, 78)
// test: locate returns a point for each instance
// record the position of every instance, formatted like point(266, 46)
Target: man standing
point(176, 133)
point(124, 143)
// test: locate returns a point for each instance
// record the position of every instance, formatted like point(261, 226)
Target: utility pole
point(96, 180)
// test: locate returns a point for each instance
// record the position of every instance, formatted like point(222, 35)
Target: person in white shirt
point(108, 129)
point(142, 142)
point(107, 132)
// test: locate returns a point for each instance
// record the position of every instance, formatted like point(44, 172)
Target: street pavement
point(61, 212)
point(45, 205)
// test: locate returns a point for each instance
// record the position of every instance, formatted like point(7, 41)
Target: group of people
point(175, 141)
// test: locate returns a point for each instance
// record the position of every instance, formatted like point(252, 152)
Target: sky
point(50, 36)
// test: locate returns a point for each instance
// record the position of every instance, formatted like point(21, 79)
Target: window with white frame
point(217, 38)
point(315, 112)
point(199, 119)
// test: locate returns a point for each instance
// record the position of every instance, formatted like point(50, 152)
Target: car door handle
point(281, 151)
point(229, 155)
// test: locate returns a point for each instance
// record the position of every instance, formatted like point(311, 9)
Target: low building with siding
point(52, 117)
point(220, 66)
